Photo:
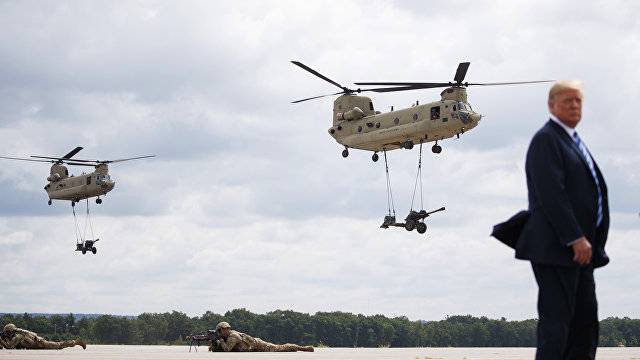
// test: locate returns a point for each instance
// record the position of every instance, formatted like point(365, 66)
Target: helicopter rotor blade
point(317, 97)
point(79, 164)
point(61, 160)
point(73, 152)
point(121, 160)
point(461, 72)
point(23, 159)
point(298, 63)
point(403, 88)
point(440, 84)
point(507, 83)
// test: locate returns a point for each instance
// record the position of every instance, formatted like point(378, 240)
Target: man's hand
point(582, 251)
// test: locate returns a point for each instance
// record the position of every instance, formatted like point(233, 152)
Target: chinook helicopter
point(62, 186)
point(357, 125)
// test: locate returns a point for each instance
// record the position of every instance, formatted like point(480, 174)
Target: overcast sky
point(248, 202)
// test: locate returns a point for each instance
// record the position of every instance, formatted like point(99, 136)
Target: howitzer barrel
point(434, 211)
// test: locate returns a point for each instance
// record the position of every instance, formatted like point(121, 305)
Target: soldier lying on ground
point(236, 341)
point(17, 338)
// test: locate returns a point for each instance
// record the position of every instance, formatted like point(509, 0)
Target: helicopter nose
point(475, 117)
point(109, 184)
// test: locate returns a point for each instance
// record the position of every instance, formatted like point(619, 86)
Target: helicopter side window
point(454, 108)
point(435, 112)
point(88, 180)
point(371, 105)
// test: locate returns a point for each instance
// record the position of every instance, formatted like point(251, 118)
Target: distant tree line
point(332, 329)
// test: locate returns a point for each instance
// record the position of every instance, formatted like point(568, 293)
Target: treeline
point(333, 329)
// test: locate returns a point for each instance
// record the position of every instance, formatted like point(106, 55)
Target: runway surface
point(132, 352)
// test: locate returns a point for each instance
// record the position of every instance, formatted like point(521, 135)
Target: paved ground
point(130, 352)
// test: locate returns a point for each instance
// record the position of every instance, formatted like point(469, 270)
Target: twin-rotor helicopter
point(357, 125)
point(63, 186)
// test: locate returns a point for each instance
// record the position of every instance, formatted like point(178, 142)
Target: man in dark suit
point(566, 231)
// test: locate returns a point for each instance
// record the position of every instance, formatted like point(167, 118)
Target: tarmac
point(134, 352)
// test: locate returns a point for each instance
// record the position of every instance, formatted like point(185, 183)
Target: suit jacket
point(563, 201)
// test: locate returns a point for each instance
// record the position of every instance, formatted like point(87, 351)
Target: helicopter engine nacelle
point(58, 172)
point(353, 114)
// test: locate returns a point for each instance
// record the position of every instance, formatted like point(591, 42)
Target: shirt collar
point(566, 128)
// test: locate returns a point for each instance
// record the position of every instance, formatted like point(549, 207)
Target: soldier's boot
point(306, 348)
point(80, 342)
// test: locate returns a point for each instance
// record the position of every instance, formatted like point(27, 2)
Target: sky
point(248, 202)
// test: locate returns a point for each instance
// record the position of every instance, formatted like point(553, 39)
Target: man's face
point(567, 107)
point(225, 332)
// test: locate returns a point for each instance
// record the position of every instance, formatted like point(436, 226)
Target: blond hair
point(562, 85)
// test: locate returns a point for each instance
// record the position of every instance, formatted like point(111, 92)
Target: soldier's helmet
point(9, 328)
point(223, 325)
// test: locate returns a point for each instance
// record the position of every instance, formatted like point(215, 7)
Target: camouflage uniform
point(25, 339)
point(237, 341)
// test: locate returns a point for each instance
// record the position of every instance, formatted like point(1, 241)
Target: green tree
point(152, 327)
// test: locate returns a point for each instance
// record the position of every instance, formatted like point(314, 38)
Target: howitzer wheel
point(410, 225)
point(421, 227)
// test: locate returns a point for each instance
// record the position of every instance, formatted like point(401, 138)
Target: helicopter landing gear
point(87, 245)
point(408, 144)
point(375, 157)
point(49, 202)
point(345, 152)
point(436, 149)
point(98, 201)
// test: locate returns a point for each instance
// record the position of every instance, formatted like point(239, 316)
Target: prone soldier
point(17, 338)
point(231, 340)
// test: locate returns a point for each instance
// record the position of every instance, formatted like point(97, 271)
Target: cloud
point(248, 202)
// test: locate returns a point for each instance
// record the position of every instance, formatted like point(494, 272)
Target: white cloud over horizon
point(248, 203)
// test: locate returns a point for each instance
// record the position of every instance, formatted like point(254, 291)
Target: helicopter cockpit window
point(435, 112)
point(371, 105)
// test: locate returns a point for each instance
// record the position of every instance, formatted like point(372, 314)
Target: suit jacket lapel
point(572, 144)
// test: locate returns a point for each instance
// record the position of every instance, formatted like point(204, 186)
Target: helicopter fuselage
point(357, 125)
point(61, 186)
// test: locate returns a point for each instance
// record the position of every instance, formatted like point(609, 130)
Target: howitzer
point(415, 220)
point(213, 337)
